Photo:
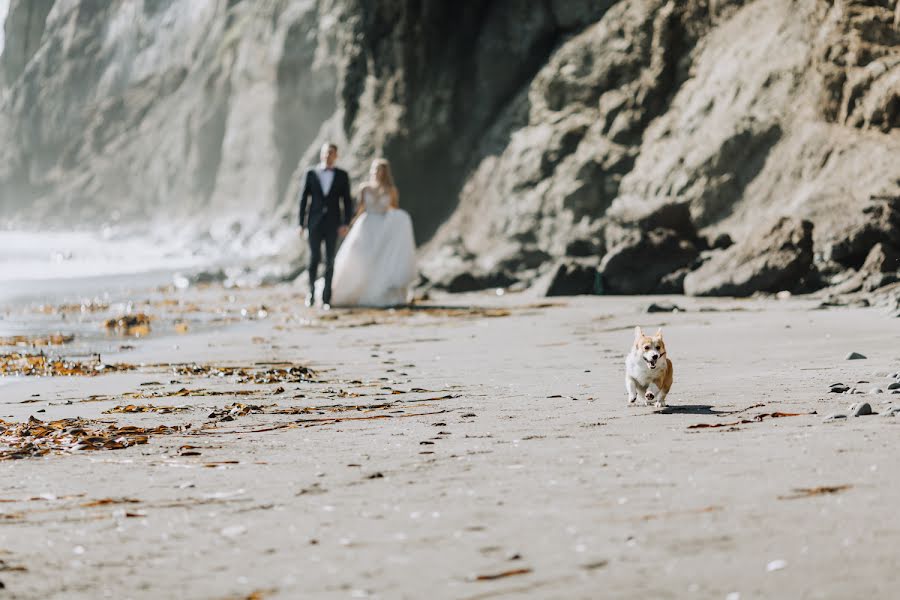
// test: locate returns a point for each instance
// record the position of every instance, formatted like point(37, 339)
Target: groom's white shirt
point(326, 177)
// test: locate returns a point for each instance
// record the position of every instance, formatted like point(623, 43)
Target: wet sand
point(462, 453)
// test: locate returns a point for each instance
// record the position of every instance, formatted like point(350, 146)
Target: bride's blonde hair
point(388, 175)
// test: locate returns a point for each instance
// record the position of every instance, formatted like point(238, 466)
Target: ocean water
point(51, 266)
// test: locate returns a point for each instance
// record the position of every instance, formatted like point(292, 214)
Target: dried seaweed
point(823, 490)
point(56, 339)
point(135, 325)
point(41, 365)
point(36, 438)
point(756, 419)
point(146, 408)
point(236, 409)
point(502, 574)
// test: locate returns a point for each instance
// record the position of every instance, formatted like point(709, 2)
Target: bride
point(376, 262)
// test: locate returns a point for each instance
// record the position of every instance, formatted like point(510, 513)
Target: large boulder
point(877, 223)
point(573, 279)
point(780, 259)
point(640, 262)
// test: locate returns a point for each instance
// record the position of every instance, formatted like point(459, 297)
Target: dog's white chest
point(638, 369)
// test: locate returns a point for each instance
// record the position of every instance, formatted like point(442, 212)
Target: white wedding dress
point(376, 263)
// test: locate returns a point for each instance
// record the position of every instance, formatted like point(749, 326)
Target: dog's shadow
point(691, 409)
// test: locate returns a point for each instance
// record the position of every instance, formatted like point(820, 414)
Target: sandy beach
point(484, 449)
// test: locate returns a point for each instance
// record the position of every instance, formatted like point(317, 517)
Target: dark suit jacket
point(325, 209)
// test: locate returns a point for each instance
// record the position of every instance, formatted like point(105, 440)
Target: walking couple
point(376, 261)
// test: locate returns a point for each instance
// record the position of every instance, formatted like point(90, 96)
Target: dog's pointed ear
point(638, 333)
point(658, 333)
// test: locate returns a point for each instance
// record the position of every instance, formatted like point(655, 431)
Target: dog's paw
point(632, 399)
point(648, 398)
point(660, 404)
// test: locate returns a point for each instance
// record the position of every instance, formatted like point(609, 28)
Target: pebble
point(776, 565)
point(894, 386)
point(876, 390)
point(861, 409)
point(855, 356)
point(891, 411)
point(834, 417)
point(838, 388)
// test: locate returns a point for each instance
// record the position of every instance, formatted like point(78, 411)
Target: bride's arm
point(395, 198)
point(361, 206)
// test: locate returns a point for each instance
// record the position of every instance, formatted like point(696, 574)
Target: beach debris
point(756, 419)
point(501, 575)
point(41, 365)
point(823, 490)
point(56, 339)
point(855, 356)
point(85, 306)
point(136, 325)
point(289, 373)
point(145, 408)
point(236, 409)
point(35, 438)
point(108, 501)
point(834, 417)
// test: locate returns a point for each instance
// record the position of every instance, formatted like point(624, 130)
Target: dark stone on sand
point(834, 417)
point(894, 386)
point(839, 388)
point(657, 307)
point(855, 356)
point(862, 409)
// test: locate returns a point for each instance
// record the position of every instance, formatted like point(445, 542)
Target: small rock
point(839, 388)
point(776, 565)
point(664, 307)
point(862, 409)
point(876, 390)
point(891, 411)
point(834, 417)
point(894, 386)
point(855, 356)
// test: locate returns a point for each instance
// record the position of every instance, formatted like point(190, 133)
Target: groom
point(328, 189)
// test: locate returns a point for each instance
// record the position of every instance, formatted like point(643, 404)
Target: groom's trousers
point(317, 235)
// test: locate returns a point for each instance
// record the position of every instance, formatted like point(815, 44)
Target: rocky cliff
point(581, 145)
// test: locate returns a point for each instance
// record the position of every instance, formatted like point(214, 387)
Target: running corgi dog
point(648, 371)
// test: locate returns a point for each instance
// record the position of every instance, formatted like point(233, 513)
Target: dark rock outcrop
point(778, 259)
point(573, 279)
point(644, 259)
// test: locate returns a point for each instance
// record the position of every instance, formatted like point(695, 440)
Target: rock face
point(626, 136)
point(780, 259)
